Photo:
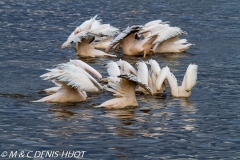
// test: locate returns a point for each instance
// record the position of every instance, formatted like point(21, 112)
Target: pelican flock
point(74, 80)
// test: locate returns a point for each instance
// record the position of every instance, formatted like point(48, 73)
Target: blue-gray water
point(204, 126)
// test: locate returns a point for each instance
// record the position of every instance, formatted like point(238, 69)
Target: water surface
point(203, 126)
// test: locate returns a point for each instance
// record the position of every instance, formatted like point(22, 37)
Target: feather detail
point(136, 80)
point(122, 35)
point(151, 23)
point(126, 68)
point(142, 72)
point(113, 69)
point(74, 77)
point(167, 33)
point(86, 67)
point(191, 76)
point(105, 30)
point(162, 76)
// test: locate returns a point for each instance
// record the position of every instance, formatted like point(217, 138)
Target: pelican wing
point(142, 72)
point(113, 69)
point(167, 33)
point(162, 76)
point(122, 35)
point(154, 28)
point(86, 25)
point(136, 80)
point(86, 67)
point(155, 68)
point(114, 86)
point(126, 68)
point(74, 69)
point(105, 30)
point(73, 76)
point(95, 23)
point(190, 77)
point(151, 23)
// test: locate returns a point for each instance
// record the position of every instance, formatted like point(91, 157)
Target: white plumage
point(84, 48)
point(126, 68)
point(167, 40)
point(113, 69)
point(103, 33)
point(124, 90)
point(86, 67)
point(73, 82)
point(131, 42)
point(142, 72)
point(188, 82)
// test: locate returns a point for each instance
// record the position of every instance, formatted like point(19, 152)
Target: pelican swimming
point(154, 22)
point(149, 76)
point(126, 68)
point(84, 47)
point(153, 27)
point(124, 90)
point(94, 26)
point(154, 73)
point(77, 63)
point(115, 69)
point(122, 83)
point(142, 74)
point(73, 81)
point(132, 43)
point(189, 81)
point(167, 40)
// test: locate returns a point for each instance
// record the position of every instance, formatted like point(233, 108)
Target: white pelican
point(168, 37)
point(115, 69)
point(131, 42)
point(188, 82)
point(124, 90)
point(86, 25)
point(154, 22)
point(105, 31)
point(84, 48)
point(149, 76)
point(143, 75)
point(73, 82)
point(154, 73)
point(126, 68)
point(153, 27)
point(77, 63)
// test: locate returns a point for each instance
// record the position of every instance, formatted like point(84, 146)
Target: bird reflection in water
point(188, 111)
point(126, 119)
point(62, 112)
